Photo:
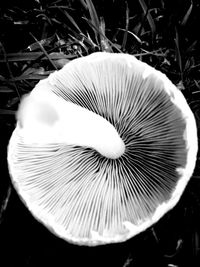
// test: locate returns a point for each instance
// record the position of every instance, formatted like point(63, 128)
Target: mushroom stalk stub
point(59, 121)
point(102, 149)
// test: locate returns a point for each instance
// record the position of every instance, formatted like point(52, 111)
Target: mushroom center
point(50, 119)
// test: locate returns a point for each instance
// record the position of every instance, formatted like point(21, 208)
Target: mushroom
point(102, 149)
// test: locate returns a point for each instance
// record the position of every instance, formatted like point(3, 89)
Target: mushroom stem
point(46, 118)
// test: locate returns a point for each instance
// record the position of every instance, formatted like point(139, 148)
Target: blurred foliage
point(40, 36)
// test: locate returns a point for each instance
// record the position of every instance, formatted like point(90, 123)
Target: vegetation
point(38, 37)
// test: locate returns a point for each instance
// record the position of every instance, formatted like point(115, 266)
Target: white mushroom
point(102, 149)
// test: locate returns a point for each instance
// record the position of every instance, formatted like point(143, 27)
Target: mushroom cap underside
point(94, 105)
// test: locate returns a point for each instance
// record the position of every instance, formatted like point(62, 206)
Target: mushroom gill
point(102, 149)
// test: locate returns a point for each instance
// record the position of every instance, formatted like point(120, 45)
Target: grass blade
point(132, 34)
point(5, 203)
point(178, 53)
point(70, 18)
point(94, 18)
point(43, 42)
point(32, 56)
point(93, 14)
point(7, 112)
point(125, 37)
point(44, 51)
point(8, 68)
point(103, 40)
point(149, 17)
point(101, 34)
point(187, 15)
